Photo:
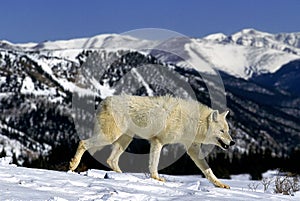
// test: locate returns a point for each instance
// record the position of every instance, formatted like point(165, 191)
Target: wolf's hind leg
point(84, 145)
point(119, 146)
point(155, 150)
point(76, 159)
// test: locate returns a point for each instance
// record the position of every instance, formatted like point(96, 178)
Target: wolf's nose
point(232, 143)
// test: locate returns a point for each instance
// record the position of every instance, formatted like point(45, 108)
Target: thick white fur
point(161, 120)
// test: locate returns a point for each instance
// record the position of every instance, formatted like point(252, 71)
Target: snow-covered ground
point(19, 183)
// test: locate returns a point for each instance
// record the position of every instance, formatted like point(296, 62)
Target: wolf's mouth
point(223, 145)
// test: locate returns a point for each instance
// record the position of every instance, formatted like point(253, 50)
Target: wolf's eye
point(222, 131)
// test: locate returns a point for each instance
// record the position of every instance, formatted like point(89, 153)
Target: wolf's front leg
point(155, 149)
point(211, 177)
point(193, 152)
point(119, 147)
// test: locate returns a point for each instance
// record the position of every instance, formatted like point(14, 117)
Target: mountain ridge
point(245, 54)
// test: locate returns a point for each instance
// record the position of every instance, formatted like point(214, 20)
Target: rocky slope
point(39, 84)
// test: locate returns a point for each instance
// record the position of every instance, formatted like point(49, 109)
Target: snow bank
point(19, 183)
point(5, 161)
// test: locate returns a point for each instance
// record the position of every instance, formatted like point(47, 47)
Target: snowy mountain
point(243, 54)
point(263, 52)
point(19, 183)
point(287, 42)
point(38, 83)
point(107, 41)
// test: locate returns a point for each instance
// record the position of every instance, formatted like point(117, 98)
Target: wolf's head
point(218, 130)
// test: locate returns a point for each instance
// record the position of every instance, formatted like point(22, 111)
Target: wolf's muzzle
point(225, 146)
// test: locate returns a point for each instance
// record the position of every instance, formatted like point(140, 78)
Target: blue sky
point(38, 20)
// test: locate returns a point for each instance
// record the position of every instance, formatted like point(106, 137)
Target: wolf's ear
point(214, 115)
point(225, 113)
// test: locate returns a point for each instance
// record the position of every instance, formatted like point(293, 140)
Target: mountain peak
point(248, 36)
point(215, 37)
point(251, 31)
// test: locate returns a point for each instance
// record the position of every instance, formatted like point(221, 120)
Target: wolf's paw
point(72, 164)
point(158, 178)
point(221, 185)
point(114, 165)
point(117, 170)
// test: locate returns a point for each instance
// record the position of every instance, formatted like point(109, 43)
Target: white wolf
point(161, 120)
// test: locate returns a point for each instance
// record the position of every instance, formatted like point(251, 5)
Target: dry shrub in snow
point(286, 185)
